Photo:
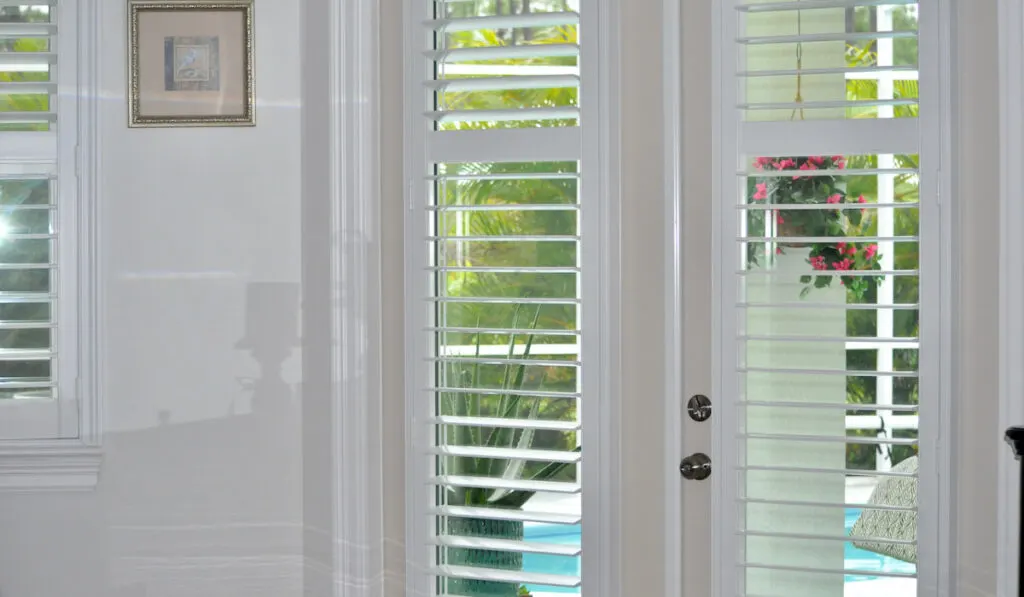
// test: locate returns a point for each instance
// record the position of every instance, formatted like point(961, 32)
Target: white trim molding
point(71, 461)
point(672, 34)
point(343, 536)
point(1011, 286)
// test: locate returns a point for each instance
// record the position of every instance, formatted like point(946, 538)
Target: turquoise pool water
point(856, 559)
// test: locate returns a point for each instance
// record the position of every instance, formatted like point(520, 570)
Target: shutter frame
point(567, 143)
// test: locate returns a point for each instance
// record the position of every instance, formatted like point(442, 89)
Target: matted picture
point(190, 63)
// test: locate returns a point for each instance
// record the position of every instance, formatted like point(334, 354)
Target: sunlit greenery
point(860, 323)
point(24, 102)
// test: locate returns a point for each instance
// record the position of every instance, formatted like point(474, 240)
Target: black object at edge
point(1015, 437)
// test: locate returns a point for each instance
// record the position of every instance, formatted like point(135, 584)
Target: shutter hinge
point(410, 200)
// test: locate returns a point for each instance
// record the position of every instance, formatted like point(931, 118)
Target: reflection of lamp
point(271, 332)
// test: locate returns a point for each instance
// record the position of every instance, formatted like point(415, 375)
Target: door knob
point(695, 467)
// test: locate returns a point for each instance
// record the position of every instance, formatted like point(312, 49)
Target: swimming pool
point(856, 559)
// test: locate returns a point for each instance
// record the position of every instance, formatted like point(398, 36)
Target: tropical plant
point(471, 398)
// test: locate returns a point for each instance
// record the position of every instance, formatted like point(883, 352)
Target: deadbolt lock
point(699, 408)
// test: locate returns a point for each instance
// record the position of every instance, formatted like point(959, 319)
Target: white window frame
point(942, 504)
point(54, 444)
point(1011, 289)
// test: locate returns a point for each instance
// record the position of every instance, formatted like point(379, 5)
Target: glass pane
point(26, 255)
point(827, 366)
point(505, 241)
point(535, 69)
point(829, 63)
point(24, 78)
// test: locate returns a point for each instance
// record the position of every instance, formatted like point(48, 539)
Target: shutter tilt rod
point(1015, 437)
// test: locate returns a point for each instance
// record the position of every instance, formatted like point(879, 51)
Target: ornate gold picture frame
point(190, 63)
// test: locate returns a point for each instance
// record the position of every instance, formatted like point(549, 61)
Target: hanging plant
point(809, 186)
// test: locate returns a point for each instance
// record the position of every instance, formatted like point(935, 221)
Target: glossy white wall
point(200, 491)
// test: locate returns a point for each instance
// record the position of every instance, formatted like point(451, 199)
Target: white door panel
point(793, 466)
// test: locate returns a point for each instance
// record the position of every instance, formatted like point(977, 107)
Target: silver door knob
point(695, 467)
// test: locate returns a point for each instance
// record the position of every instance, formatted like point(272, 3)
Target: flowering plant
point(809, 184)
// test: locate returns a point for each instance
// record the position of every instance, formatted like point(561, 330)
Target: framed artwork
point(190, 63)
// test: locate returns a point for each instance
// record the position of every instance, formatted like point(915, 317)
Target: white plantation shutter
point(830, 302)
point(34, 164)
point(495, 258)
point(28, 40)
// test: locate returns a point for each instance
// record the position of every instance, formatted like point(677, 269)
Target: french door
point(793, 296)
point(810, 429)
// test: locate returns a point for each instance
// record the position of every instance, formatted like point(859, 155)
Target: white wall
point(200, 493)
point(977, 413)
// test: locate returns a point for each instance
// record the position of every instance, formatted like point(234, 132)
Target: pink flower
point(861, 199)
point(817, 160)
point(834, 198)
point(870, 250)
point(818, 262)
point(778, 218)
point(842, 265)
point(805, 166)
point(762, 191)
point(760, 163)
point(784, 164)
point(851, 250)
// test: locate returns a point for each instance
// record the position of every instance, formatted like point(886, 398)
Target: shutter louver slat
point(518, 115)
point(16, 30)
point(551, 580)
point(824, 328)
point(843, 505)
point(506, 83)
point(505, 545)
point(27, 59)
point(506, 484)
point(831, 571)
point(536, 19)
point(812, 537)
point(499, 262)
point(863, 71)
point(509, 453)
point(510, 423)
point(754, 7)
point(505, 53)
point(830, 439)
point(830, 405)
point(502, 514)
point(823, 37)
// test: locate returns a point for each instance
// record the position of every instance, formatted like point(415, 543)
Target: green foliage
point(510, 399)
point(24, 102)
